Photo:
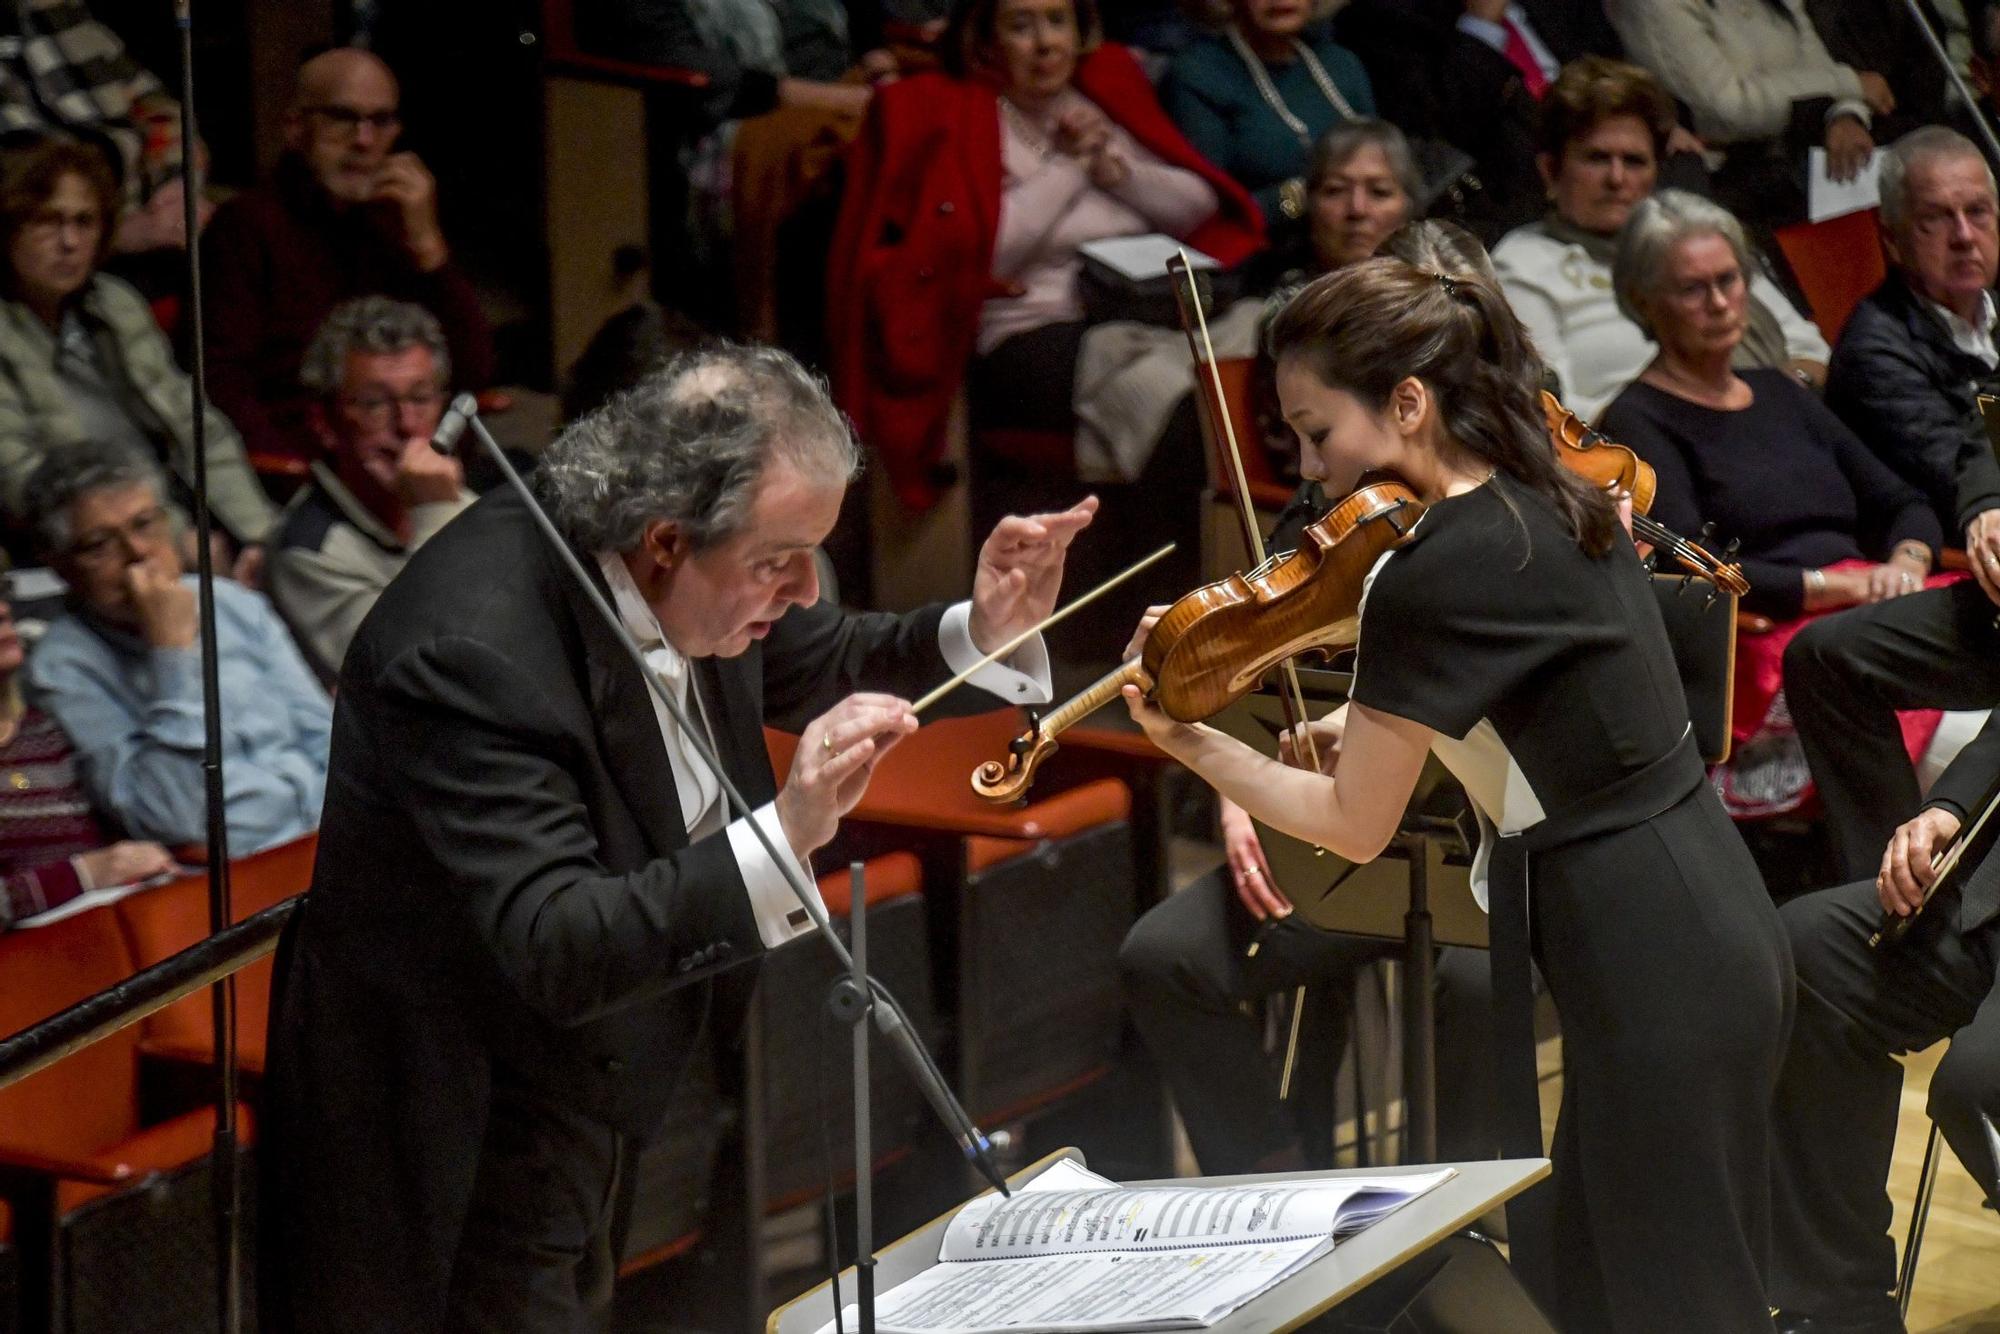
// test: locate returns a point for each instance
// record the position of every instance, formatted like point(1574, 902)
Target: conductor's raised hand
point(1020, 572)
point(1906, 864)
point(837, 755)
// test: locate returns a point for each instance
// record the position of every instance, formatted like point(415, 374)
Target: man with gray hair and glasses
point(122, 671)
point(1906, 372)
point(1906, 376)
point(528, 879)
point(380, 370)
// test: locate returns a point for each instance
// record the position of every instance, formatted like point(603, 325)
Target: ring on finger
point(826, 741)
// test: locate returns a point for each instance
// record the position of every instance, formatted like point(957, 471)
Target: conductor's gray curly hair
point(689, 444)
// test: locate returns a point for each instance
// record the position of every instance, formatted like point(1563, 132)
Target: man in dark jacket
point(527, 878)
point(1906, 376)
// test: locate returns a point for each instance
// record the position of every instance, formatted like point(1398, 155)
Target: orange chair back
point(88, 1102)
point(1837, 262)
point(164, 921)
point(1239, 403)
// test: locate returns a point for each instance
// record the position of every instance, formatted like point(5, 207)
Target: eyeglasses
point(348, 121)
point(99, 545)
point(1723, 285)
point(381, 409)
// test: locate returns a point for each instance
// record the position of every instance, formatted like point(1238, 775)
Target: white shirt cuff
point(776, 908)
point(1021, 678)
point(1843, 106)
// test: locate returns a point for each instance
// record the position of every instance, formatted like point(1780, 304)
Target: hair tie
point(1447, 282)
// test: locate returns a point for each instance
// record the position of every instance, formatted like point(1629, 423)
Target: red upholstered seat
point(887, 878)
point(78, 1121)
point(1837, 262)
point(164, 921)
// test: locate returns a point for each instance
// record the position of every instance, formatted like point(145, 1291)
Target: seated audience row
point(82, 358)
point(968, 197)
point(1605, 126)
point(345, 216)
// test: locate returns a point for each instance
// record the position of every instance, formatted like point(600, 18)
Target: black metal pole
point(864, 1137)
point(1419, 1020)
point(222, 1161)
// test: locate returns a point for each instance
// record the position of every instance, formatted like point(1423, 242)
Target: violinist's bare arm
point(1353, 813)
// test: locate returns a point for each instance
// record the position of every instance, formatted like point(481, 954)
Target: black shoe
point(1797, 1322)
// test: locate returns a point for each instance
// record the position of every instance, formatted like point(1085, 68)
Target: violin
point(1215, 645)
point(1588, 453)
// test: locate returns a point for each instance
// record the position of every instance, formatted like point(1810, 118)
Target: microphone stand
point(850, 1004)
point(890, 1020)
point(223, 1162)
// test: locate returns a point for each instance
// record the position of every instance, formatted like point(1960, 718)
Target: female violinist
point(1517, 636)
point(1190, 967)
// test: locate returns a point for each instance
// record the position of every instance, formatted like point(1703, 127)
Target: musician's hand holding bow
point(1906, 865)
point(836, 757)
point(1324, 734)
point(1020, 572)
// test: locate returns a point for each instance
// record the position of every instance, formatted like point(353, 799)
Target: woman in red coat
point(967, 198)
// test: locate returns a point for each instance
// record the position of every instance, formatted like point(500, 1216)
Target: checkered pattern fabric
point(61, 69)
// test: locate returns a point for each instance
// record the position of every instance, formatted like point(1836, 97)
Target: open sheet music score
point(1074, 1252)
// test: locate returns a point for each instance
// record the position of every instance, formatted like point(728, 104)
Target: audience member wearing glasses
point(81, 358)
point(345, 216)
point(121, 674)
point(378, 370)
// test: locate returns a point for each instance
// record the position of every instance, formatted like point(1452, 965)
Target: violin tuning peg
point(1686, 579)
point(1708, 532)
point(1729, 552)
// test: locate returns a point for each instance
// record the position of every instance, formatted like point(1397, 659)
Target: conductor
point(526, 879)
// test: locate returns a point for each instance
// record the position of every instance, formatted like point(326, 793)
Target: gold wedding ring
point(826, 740)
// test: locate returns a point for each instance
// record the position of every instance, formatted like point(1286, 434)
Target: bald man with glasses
point(347, 214)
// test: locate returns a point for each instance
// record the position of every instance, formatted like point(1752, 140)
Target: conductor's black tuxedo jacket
point(504, 890)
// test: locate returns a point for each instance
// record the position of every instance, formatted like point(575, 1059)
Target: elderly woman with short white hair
point(1821, 522)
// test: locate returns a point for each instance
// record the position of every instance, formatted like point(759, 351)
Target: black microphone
point(890, 1020)
point(456, 418)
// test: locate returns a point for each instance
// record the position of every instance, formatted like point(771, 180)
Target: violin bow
point(1291, 695)
point(1202, 349)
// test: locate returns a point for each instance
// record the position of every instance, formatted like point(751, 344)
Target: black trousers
point(1845, 677)
point(1837, 1101)
point(1670, 970)
point(537, 1253)
point(1191, 990)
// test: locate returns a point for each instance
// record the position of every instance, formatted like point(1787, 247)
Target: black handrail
point(151, 989)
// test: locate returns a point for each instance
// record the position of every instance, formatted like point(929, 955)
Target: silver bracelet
point(1815, 581)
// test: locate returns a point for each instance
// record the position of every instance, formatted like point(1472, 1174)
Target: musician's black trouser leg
point(1193, 992)
point(1845, 677)
point(1835, 1116)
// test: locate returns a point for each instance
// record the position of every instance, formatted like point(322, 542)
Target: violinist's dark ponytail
point(1366, 327)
